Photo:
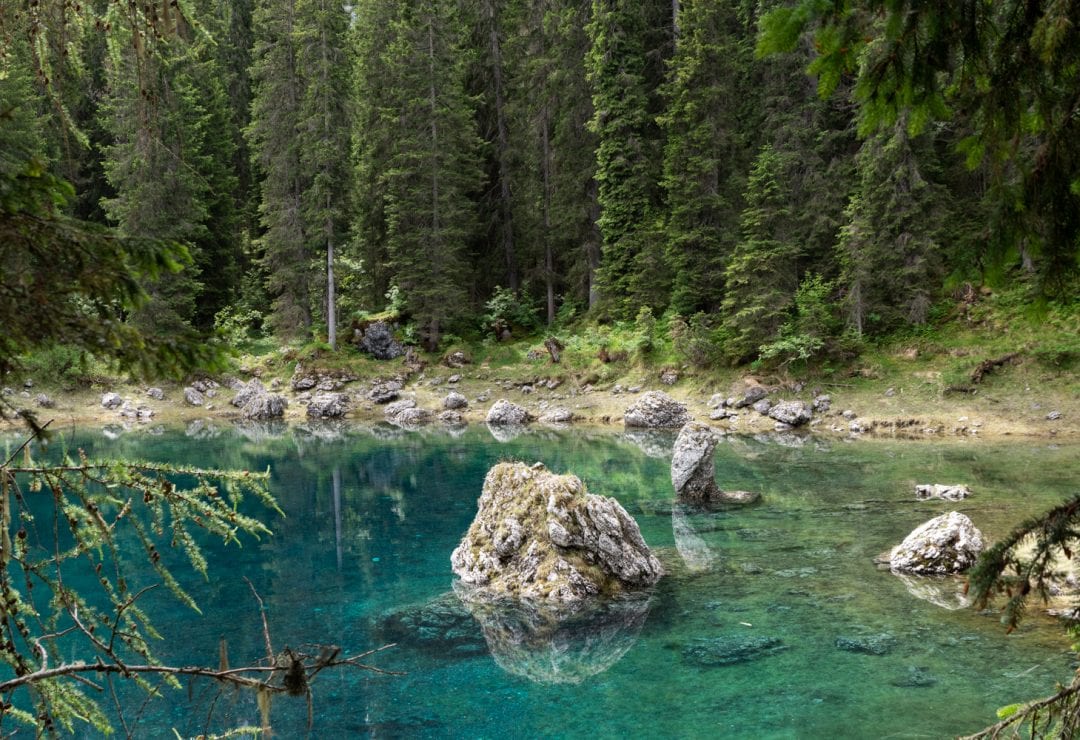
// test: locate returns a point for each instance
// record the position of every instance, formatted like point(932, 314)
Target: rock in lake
point(946, 544)
point(543, 537)
point(730, 649)
point(794, 413)
point(504, 412)
point(111, 401)
point(451, 418)
point(378, 341)
point(657, 410)
point(925, 491)
point(692, 469)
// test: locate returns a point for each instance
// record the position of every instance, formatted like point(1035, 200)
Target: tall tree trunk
point(502, 141)
point(592, 244)
point(549, 257)
point(331, 309)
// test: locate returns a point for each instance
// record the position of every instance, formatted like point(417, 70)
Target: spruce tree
point(633, 272)
point(323, 133)
point(277, 96)
point(433, 167)
point(168, 162)
point(763, 273)
point(890, 248)
point(704, 161)
point(555, 162)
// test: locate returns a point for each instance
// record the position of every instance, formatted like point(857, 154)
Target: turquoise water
point(745, 636)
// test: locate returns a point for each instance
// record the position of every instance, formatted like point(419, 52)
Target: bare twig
point(29, 439)
point(266, 627)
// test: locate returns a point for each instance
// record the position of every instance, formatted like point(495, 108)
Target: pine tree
point(555, 162)
point(168, 162)
point(432, 164)
point(890, 248)
point(763, 274)
point(633, 272)
point(704, 161)
point(323, 133)
point(277, 96)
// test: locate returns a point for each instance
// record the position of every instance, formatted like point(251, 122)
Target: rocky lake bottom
point(771, 621)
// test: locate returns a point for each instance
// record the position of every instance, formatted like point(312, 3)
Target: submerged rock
point(542, 536)
point(443, 626)
point(504, 412)
point(656, 410)
point(547, 645)
point(730, 649)
point(946, 544)
point(867, 644)
point(925, 491)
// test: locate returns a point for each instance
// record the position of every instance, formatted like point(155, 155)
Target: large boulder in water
point(946, 544)
point(543, 537)
point(657, 410)
point(692, 468)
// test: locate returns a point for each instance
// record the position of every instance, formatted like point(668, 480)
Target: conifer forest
point(778, 175)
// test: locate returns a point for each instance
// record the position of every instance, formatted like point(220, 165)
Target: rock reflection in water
point(694, 551)
point(944, 591)
point(551, 644)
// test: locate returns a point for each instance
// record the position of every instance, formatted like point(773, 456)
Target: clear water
point(373, 514)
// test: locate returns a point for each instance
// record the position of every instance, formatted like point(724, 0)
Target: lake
point(814, 640)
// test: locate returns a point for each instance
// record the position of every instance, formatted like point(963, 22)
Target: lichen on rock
point(542, 536)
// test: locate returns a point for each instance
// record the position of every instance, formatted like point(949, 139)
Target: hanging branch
point(97, 505)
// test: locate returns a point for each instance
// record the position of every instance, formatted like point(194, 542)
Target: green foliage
point(633, 271)
point(762, 276)
point(507, 309)
point(701, 341)
point(645, 331)
point(1010, 69)
point(806, 333)
point(103, 508)
point(237, 325)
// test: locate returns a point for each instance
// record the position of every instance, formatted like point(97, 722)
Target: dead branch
point(1030, 711)
point(987, 366)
